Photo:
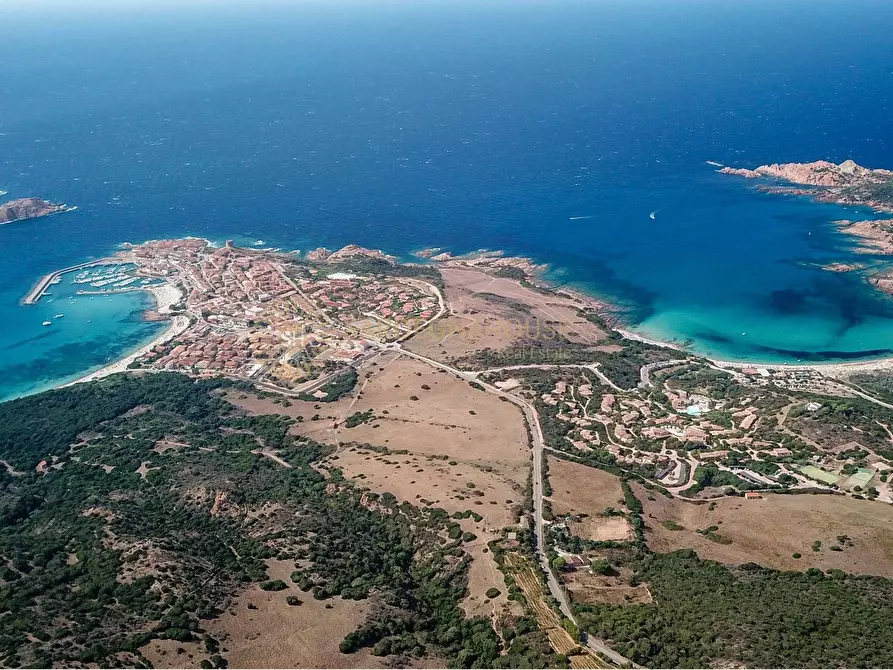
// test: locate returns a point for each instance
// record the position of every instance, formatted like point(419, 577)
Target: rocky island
point(28, 208)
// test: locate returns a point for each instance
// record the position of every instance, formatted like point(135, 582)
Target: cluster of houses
point(627, 419)
point(247, 312)
point(349, 297)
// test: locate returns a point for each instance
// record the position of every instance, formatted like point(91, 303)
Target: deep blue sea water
point(402, 125)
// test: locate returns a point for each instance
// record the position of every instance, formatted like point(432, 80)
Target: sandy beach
point(830, 369)
point(166, 296)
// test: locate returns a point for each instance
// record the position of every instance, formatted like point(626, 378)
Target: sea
point(551, 129)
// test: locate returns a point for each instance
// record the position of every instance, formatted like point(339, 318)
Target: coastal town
point(378, 359)
point(686, 419)
point(291, 324)
point(261, 317)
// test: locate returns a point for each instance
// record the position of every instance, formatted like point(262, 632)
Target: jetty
point(41, 287)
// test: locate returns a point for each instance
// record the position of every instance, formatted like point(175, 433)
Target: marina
point(103, 276)
point(40, 288)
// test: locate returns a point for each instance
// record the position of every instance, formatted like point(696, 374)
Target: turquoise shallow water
point(460, 125)
point(92, 331)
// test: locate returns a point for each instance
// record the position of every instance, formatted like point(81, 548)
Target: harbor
point(100, 277)
point(41, 287)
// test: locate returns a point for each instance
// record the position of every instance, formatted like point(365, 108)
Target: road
point(530, 416)
point(646, 370)
point(591, 367)
point(539, 446)
point(692, 466)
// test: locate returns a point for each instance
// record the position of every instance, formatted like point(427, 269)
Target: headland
point(848, 184)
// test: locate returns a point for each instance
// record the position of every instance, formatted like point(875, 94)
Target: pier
point(41, 287)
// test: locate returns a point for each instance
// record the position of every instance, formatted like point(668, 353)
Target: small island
point(28, 208)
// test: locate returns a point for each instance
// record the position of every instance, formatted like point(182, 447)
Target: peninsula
point(845, 184)
point(28, 208)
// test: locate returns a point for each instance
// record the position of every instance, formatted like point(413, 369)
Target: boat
point(125, 282)
point(652, 215)
point(48, 323)
point(58, 316)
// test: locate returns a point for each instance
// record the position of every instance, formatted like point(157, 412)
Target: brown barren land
point(768, 531)
point(279, 635)
point(578, 489)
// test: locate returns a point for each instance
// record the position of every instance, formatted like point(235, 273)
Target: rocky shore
point(845, 184)
point(842, 267)
point(817, 173)
point(493, 259)
point(876, 237)
point(350, 251)
point(28, 208)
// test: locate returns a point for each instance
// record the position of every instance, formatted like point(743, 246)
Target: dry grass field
point(484, 574)
point(770, 530)
point(173, 654)
point(479, 322)
point(475, 323)
point(569, 323)
point(278, 635)
point(447, 417)
point(466, 450)
point(586, 587)
point(578, 489)
point(261, 630)
point(418, 478)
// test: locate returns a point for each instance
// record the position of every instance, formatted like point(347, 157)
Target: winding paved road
point(539, 446)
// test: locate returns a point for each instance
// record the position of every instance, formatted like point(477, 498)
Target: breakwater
point(45, 282)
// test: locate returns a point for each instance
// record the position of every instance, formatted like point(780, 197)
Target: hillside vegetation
point(151, 511)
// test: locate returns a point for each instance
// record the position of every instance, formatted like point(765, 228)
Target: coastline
point(535, 272)
point(166, 296)
point(830, 367)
